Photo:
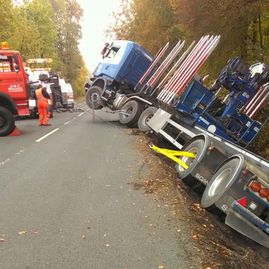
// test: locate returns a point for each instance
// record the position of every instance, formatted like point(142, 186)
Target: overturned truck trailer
point(233, 180)
point(171, 100)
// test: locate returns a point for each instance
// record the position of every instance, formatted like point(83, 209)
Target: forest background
point(51, 29)
point(242, 24)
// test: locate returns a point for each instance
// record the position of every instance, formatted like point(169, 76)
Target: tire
point(130, 113)
point(221, 182)
point(93, 98)
point(198, 147)
point(145, 116)
point(7, 122)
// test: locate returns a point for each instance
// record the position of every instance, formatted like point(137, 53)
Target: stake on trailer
point(167, 61)
point(172, 70)
point(260, 105)
point(189, 71)
point(188, 68)
point(255, 101)
point(195, 67)
point(164, 92)
point(153, 64)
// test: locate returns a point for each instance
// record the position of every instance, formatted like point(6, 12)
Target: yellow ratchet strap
point(173, 154)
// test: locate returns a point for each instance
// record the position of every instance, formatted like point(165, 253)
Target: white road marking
point(46, 135)
point(4, 162)
point(19, 152)
point(55, 130)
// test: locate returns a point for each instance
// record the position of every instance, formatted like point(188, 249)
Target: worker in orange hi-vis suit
point(42, 104)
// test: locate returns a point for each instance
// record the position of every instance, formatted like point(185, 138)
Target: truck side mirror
point(104, 50)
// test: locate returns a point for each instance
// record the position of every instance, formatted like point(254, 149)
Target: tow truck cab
point(13, 88)
point(13, 79)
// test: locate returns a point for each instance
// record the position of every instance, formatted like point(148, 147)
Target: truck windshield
point(9, 63)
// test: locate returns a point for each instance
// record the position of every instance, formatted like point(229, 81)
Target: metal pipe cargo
point(177, 73)
point(189, 69)
point(172, 70)
point(167, 61)
point(153, 64)
point(195, 68)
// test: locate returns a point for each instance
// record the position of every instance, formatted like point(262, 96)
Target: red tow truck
point(14, 95)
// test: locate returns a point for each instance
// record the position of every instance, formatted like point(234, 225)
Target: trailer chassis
point(225, 172)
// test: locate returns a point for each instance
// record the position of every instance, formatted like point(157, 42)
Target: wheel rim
point(94, 97)
point(147, 118)
point(126, 113)
point(220, 183)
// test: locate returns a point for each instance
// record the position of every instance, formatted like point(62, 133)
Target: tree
point(7, 19)
point(41, 13)
point(68, 16)
point(150, 23)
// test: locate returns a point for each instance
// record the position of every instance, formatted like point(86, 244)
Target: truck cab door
point(12, 77)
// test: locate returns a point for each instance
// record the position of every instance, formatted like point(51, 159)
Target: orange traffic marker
point(15, 132)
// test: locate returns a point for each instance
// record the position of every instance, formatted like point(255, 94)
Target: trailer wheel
point(7, 122)
point(93, 98)
point(221, 181)
point(145, 116)
point(130, 113)
point(198, 147)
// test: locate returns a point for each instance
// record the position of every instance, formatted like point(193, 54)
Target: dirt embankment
point(219, 246)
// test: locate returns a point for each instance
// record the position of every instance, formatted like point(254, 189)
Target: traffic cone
point(15, 132)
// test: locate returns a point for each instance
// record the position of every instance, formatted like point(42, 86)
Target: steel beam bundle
point(165, 64)
point(188, 68)
point(173, 69)
point(172, 81)
point(153, 64)
point(257, 101)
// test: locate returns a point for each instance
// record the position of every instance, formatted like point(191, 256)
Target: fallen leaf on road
point(22, 232)
point(83, 236)
point(2, 240)
point(195, 237)
point(160, 267)
point(107, 245)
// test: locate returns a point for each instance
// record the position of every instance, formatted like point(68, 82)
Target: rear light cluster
point(259, 189)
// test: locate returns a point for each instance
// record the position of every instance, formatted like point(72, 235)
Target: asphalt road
point(66, 201)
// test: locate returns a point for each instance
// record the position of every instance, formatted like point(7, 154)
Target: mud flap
point(238, 223)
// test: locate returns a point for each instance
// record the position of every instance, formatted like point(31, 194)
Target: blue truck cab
point(123, 64)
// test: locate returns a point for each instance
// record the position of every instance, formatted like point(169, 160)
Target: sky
point(97, 17)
